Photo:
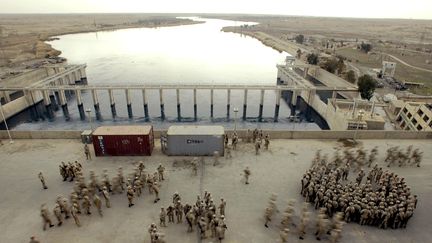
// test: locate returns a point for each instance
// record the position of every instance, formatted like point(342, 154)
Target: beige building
point(415, 116)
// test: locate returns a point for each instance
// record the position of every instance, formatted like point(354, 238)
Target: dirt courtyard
point(278, 170)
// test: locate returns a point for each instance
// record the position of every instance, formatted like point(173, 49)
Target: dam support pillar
point(195, 105)
point(261, 106)
point(294, 102)
point(48, 105)
point(178, 105)
point(162, 106)
point(211, 103)
point(64, 106)
point(245, 104)
point(129, 103)
point(228, 103)
point(146, 113)
point(80, 105)
point(54, 102)
point(277, 106)
point(83, 76)
point(96, 105)
point(112, 103)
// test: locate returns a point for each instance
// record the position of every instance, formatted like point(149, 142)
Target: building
point(415, 116)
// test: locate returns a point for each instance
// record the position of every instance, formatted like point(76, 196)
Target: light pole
point(5, 122)
point(235, 118)
point(90, 119)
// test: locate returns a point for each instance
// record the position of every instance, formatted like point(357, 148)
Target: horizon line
point(206, 13)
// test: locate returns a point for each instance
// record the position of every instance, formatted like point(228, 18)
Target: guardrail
point(274, 134)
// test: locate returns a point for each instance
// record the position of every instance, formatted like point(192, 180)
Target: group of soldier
point(377, 198)
point(396, 155)
point(208, 218)
point(324, 225)
point(85, 195)
point(256, 137)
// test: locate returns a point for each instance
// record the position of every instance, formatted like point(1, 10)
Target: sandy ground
point(406, 39)
point(22, 36)
point(278, 170)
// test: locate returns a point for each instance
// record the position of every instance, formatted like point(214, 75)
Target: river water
point(190, 54)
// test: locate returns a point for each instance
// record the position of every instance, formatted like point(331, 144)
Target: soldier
point(86, 204)
point(34, 240)
point(257, 147)
point(176, 198)
point(45, 217)
point(161, 170)
point(372, 156)
point(254, 135)
point(267, 141)
point(63, 173)
point(322, 224)
point(226, 139)
point(202, 225)
point(417, 157)
point(284, 235)
point(179, 211)
point(130, 195)
point(267, 215)
point(62, 201)
point(360, 176)
point(98, 204)
point(137, 186)
point(247, 173)
point(216, 158)
point(162, 217)
point(155, 188)
point(58, 214)
point(87, 151)
point(234, 141)
point(190, 218)
point(170, 213)
point(228, 153)
point(220, 229)
point(303, 222)
point(121, 177)
point(74, 213)
point(194, 164)
point(222, 206)
point(106, 195)
point(42, 179)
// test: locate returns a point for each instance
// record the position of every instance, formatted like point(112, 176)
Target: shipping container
point(195, 140)
point(123, 140)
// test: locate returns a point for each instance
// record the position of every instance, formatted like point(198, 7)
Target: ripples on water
point(191, 54)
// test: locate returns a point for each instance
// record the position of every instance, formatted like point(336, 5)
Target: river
point(190, 54)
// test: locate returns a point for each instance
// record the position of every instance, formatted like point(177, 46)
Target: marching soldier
point(45, 217)
point(106, 195)
point(130, 195)
point(58, 214)
point(42, 179)
point(161, 170)
point(170, 214)
point(234, 141)
point(257, 147)
point(162, 217)
point(284, 235)
point(267, 141)
point(74, 213)
point(98, 204)
point(222, 206)
point(247, 173)
point(86, 204)
point(87, 151)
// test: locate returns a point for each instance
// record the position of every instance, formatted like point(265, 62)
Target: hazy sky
point(347, 8)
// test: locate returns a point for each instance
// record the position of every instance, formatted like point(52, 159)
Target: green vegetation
point(312, 59)
point(350, 76)
point(299, 39)
point(366, 86)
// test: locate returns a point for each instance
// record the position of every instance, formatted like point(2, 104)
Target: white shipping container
point(195, 140)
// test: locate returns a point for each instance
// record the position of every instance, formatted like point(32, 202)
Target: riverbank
point(23, 36)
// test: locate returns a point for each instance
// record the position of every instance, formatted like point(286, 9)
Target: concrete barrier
point(274, 134)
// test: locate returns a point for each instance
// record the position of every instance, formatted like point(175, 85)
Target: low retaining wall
point(274, 134)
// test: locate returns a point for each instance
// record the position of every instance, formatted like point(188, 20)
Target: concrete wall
point(274, 134)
